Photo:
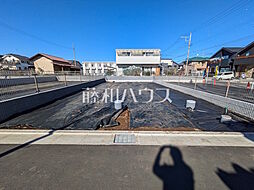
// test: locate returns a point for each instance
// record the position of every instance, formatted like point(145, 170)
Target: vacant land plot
point(72, 113)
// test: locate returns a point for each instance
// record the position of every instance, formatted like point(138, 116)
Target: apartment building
point(99, 68)
point(148, 60)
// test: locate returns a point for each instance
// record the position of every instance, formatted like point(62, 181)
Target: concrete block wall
point(19, 105)
point(242, 108)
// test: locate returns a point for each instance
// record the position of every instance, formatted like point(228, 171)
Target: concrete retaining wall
point(15, 106)
point(129, 79)
point(78, 78)
point(187, 79)
point(25, 80)
point(236, 106)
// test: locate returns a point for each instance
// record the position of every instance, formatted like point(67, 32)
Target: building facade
point(15, 62)
point(168, 67)
point(223, 59)
point(99, 68)
point(49, 64)
point(244, 61)
point(196, 65)
point(147, 60)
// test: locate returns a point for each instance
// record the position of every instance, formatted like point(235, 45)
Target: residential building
point(148, 60)
point(244, 61)
point(223, 59)
point(99, 68)
point(15, 62)
point(168, 67)
point(76, 66)
point(45, 63)
point(196, 65)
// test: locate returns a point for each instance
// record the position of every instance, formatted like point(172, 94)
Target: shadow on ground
point(239, 179)
point(177, 176)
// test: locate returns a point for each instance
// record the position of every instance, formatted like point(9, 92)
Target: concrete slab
point(83, 137)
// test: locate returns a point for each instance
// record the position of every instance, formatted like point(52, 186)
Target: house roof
point(78, 64)
point(246, 48)
point(198, 59)
point(231, 50)
point(53, 58)
point(20, 57)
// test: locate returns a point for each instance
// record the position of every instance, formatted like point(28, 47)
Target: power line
point(31, 35)
point(218, 45)
point(221, 32)
point(233, 8)
point(172, 45)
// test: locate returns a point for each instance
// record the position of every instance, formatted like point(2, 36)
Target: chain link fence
point(239, 89)
point(19, 83)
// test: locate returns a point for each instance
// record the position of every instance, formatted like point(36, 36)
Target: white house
point(15, 62)
point(148, 60)
point(98, 67)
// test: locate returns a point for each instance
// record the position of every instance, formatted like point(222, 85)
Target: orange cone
point(214, 82)
point(248, 86)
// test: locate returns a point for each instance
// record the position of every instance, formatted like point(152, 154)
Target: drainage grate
point(125, 138)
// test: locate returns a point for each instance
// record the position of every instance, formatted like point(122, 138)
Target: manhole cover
point(125, 138)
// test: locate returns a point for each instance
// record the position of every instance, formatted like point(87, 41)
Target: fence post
point(36, 83)
point(195, 87)
point(228, 85)
point(65, 82)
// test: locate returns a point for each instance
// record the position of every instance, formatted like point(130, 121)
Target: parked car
point(229, 75)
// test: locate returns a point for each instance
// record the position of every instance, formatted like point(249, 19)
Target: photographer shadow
point(177, 176)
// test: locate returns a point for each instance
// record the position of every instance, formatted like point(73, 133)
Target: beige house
point(48, 64)
point(196, 65)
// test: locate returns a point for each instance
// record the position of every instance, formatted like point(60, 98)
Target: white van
point(228, 75)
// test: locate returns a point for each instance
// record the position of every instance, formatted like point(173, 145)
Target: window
point(149, 53)
point(126, 53)
point(247, 53)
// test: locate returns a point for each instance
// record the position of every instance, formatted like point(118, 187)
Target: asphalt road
point(72, 113)
point(21, 90)
point(236, 91)
point(127, 167)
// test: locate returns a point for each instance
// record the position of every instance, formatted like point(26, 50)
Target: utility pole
point(188, 54)
point(74, 54)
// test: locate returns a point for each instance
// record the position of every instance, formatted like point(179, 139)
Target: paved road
point(127, 167)
point(236, 91)
point(20, 90)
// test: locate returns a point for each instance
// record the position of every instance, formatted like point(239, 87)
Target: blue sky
point(98, 27)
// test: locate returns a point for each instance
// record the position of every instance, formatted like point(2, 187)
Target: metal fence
point(240, 107)
point(19, 83)
point(239, 89)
